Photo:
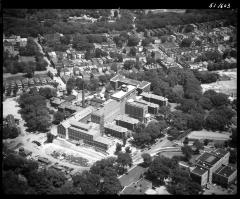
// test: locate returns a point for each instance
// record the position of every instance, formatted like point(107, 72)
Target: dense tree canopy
point(34, 111)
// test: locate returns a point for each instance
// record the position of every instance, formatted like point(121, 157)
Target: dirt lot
point(169, 154)
point(218, 190)
point(10, 106)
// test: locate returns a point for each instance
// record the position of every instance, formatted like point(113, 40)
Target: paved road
point(160, 145)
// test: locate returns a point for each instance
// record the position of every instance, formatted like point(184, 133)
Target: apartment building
point(127, 122)
point(156, 99)
point(115, 130)
point(136, 110)
point(209, 167)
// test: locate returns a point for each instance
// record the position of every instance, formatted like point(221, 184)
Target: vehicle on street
point(36, 142)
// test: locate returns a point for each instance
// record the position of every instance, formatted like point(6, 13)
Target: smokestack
point(83, 99)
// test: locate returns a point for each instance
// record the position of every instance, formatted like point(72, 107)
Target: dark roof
point(207, 159)
point(226, 171)
point(132, 176)
point(97, 100)
point(220, 152)
point(199, 171)
point(69, 98)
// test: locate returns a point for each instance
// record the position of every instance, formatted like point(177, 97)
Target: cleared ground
point(218, 190)
point(10, 106)
point(169, 154)
point(204, 134)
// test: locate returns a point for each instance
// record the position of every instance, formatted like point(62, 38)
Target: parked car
point(36, 142)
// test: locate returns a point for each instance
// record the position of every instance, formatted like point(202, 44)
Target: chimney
point(83, 97)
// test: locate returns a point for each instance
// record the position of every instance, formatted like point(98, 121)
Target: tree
point(133, 41)
point(10, 132)
point(103, 78)
point(12, 184)
point(124, 159)
point(233, 156)
point(206, 103)
point(218, 119)
point(187, 151)
point(198, 42)
point(114, 67)
point(154, 129)
point(174, 133)
point(48, 92)
point(40, 183)
point(188, 28)
point(58, 117)
point(141, 139)
point(185, 141)
point(179, 120)
point(147, 159)
point(87, 182)
point(133, 51)
point(93, 84)
point(186, 42)
point(219, 99)
point(234, 137)
point(115, 13)
point(205, 142)
point(80, 83)
point(118, 148)
point(129, 64)
point(196, 121)
point(128, 150)
point(146, 42)
point(56, 178)
point(187, 105)
point(104, 167)
point(50, 137)
point(99, 53)
point(159, 169)
point(182, 183)
point(29, 69)
point(111, 185)
point(198, 145)
point(34, 111)
point(70, 85)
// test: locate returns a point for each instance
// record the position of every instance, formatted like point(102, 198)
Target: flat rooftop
point(153, 96)
point(147, 103)
point(102, 140)
point(127, 119)
point(82, 113)
point(143, 84)
point(199, 171)
point(226, 171)
point(58, 101)
point(93, 133)
point(120, 94)
point(115, 127)
point(108, 108)
point(137, 103)
point(80, 125)
point(207, 159)
point(133, 82)
point(220, 152)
